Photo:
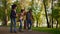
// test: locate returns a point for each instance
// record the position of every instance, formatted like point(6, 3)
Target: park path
point(5, 30)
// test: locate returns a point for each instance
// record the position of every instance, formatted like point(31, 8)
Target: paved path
point(5, 30)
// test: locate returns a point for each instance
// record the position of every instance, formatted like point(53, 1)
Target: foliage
point(49, 30)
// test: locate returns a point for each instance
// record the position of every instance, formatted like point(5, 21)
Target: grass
point(50, 30)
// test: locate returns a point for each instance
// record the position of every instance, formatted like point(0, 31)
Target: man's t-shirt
point(28, 16)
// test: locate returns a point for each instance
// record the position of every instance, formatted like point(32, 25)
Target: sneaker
point(15, 32)
point(11, 32)
point(20, 30)
point(30, 30)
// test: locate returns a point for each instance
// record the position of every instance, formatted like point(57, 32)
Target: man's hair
point(14, 6)
point(30, 10)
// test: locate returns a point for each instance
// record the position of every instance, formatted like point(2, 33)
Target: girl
point(21, 19)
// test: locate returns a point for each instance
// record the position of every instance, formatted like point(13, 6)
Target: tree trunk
point(6, 18)
point(37, 23)
point(57, 24)
point(52, 13)
point(52, 22)
point(32, 23)
point(46, 14)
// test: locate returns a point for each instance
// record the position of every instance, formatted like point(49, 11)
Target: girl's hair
point(22, 10)
point(14, 6)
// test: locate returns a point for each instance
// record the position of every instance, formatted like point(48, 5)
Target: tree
point(44, 3)
point(6, 5)
point(36, 11)
point(55, 12)
point(52, 13)
point(56, 16)
point(5, 9)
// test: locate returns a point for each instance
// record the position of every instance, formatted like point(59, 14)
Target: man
point(13, 18)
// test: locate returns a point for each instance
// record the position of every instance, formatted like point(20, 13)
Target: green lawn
point(50, 30)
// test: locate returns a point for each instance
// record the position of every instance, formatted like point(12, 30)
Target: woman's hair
point(14, 6)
